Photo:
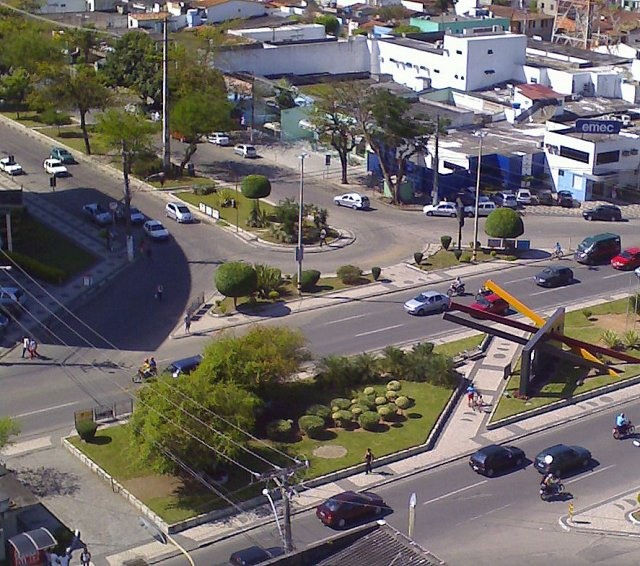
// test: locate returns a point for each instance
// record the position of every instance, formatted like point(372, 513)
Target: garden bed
point(443, 259)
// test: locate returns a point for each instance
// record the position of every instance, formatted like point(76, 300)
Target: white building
point(224, 10)
point(61, 6)
point(303, 32)
point(154, 21)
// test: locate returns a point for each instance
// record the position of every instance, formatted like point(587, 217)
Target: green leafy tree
point(192, 71)
point(15, 87)
point(332, 120)
point(393, 12)
point(8, 428)
point(263, 357)
point(236, 279)
point(136, 63)
point(256, 186)
point(287, 214)
point(285, 94)
point(331, 23)
point(504, 223)
point(30, 47)
point(82, 39)
point(172, 418)
point(197, 114)
point(52, 117)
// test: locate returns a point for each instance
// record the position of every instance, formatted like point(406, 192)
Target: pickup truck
point(9, 166)
point(55, 167)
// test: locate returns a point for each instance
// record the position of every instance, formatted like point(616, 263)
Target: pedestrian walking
point(33, 349)
point(25, 345)
point(471, 393)
point(323, 237)
point(159, 291)
point(85, 557)
point(368, 461)
point(187, 323)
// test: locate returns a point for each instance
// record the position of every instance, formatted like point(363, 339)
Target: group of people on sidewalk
point(30, 346)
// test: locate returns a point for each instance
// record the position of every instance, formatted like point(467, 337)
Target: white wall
point(61, 6)
point(630, 92)
point(537, 75)
point(235, 9)
point(561, 81)
point(284, 33)
point(350, 56)
point(607, 84)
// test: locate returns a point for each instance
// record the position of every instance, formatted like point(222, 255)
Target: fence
point(195, 304)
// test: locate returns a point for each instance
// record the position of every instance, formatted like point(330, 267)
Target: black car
point(603, 212)
point(494, 459)
point(545, 198)
point(565, 199)
point(560, 458)
point(554, 276)
point(254, 555)
point(348, 507)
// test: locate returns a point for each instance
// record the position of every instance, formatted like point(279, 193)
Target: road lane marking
point(591, 474)
point(489, 512)
point(543, 292)
point(30, 413)
point(379, 330)
point(615, 275)
point(454, 492)
point(344, 319)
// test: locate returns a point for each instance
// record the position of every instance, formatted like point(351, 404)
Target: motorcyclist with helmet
point(549, 482)
point(622, 423)
point(457, 287)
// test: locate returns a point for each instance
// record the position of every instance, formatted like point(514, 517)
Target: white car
point(484, 209)
point(352, 200)
point(97, 214)
point(218, 138)
point(55, 167)
point(155, 230)
point(179, 212)
point(441, 209)
point(9, 165)
point(245, 150)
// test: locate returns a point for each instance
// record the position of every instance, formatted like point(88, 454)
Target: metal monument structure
point(545, 344)
point(572, 23)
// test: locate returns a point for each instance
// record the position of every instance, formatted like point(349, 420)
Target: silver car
point(427, 302)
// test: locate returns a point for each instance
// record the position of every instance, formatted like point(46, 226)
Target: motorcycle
point(455, 290)
point(144, 373)
point(620, 432)
point(548, 492)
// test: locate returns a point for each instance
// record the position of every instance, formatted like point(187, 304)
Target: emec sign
point(598, 126)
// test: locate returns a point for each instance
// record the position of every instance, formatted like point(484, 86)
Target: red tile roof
point(538, 92)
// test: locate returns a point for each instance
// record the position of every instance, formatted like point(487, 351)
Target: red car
point(349, 507)
point(628, 259)
point(491, 303)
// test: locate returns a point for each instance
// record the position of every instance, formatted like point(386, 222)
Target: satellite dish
point(548, 459)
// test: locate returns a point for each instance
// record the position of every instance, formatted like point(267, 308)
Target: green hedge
point(39, 270)
point(86, 430)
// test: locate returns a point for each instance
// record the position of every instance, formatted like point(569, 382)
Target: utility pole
point(166, 138)
point(127, 201)
point(253, 106)
point(300, 247)
point(434, 193)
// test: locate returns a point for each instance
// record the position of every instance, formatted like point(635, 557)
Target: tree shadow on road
point(45, 481)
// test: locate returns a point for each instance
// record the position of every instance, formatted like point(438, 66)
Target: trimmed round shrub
point(391, 396)
point(381, 401)
point(320, 411)
point(236, 279)
point(504, 223)
point(384, 411)
point(349, 274)
point(417, 257)
point(273, 295)
point(457, 254)
point(356, 410)
point(367, 401)
point(403, 402)
point(394, 385)
point(311, 425)
point(342, 418)
point(308, 280)
point(279, 430)
point(256, 186)
point(445, 241)
point(86, 430)
point(340, 404)
point(369, 420)
point(369, 391)
point(376, 271)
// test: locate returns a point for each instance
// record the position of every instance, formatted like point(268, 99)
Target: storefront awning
point(32, 542)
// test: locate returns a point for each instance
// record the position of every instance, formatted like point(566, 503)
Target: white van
point(524, 196)
point(484, 209)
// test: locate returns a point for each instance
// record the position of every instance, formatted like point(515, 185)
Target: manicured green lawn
point(72, 137)
point(446, 258)
point(50, 247)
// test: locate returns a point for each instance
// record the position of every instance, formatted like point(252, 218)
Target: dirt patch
point(330, 451)
point(619, 323)
point(154, 485)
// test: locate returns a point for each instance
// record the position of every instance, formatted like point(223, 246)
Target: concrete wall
point(235, 9)
point(61, 6)
point(285, 33)
point(561, 81)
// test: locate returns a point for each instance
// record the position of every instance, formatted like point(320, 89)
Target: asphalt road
point(466, 519)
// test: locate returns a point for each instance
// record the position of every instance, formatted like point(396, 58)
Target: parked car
point(627, 259)
point(254, 555)
point(441, 209)
point(427, 302)
point(494, 459)
point(63, 155)
point(523, 196)
point(352, 200)
point(561, 458)
point(505, 199)
point(246, 150)
point(4, 322)
point(484, 209)
point(97, 214)
point(608, 212)
point(134, 214)
point(179, 212)
point(9, 166)
point(218, 138)
point(12, 297)
point(155, 230)
point(55, 167)
point(565, 199)
point(348, 507)
point(184, 366)
point(554, 276)
point(545, 198)
point(491, 303)
point(600, 248)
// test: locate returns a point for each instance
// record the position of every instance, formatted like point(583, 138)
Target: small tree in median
point(236, 279)
point(504, 223)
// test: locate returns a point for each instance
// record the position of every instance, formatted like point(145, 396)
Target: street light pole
point(300, 248)
point(481, 135)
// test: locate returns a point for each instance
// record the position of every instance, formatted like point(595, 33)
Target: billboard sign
point(598, 126)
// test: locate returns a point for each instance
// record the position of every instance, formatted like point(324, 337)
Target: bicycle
point(557, 254)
